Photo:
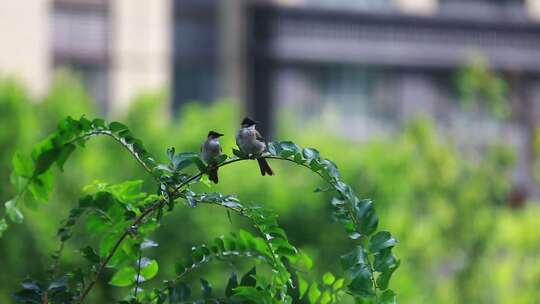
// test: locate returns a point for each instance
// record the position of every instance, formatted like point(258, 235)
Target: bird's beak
point(219, 134)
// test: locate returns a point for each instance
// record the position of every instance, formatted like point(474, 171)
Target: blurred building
point(359, 67)
point(118, 47)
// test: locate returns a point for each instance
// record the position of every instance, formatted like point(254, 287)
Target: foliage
point(121, 218)
point(421, 183)
point(479, 88)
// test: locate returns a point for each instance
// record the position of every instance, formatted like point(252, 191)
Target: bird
point(250, 141)
point(210, 150)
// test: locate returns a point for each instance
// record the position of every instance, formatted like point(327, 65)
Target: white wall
point(417, 7)
point(141, 49)
point(24, 42)
point(533, 9)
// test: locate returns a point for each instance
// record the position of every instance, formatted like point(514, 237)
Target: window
point(80, 42)
point(361, 98)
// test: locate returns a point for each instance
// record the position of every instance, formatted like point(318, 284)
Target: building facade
point(365, 67)
point(100, 40)
point(371, 63)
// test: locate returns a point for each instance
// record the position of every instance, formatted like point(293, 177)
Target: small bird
point(211, 149)
point(250, 141)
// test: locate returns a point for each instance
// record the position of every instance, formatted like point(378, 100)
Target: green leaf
point(314, 293)
point(199, 163)
point(302, 261)
point(98, 123)
point(149, 268)
point(124, 277)
point(19, 182)
point(45, 159)
point(249, 294)
point(14, 214)
point(289, 145)
point(23, 165)
point(384, 278)
point(367, 219)
point(388, 297)
point(3, 226)
point(274, 148)
point(107, 243)
point(192, 202)
point(326, 297)
point(330, 169)
point(361, 284)
point(302, 287)
point(310, 153)
point(129, 191)
point(183, 160)
point(353, 258)
point(380, 241)
point(315, 164)
point(288, 148)
point(117, 127)
point(206, 289)
point(89, 254)
point(170, 153)
point(328, 278)
point(338, 284)
point(249, 278)
point(384, 260)
point(64, 155)
point(40, 186)
point(85, 123)
point(31, 293)
point(231, 284)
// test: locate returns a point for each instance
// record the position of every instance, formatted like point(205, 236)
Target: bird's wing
point(258, 136)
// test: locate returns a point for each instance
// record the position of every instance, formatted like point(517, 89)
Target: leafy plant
point(120, 219)
point(479, 88)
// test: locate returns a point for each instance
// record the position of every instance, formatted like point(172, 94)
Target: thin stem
point(116, 138)
point(56, 261)
point(138, 275)
point(198, 175)
point(128, 230)
point(160, 203)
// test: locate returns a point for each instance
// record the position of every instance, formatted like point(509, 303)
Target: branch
point(161, 203)
point(120, 140)
point(138, 274)
point(128, 230)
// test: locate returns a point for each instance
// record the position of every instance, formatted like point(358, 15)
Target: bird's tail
point(213, 174)
point(265, 167)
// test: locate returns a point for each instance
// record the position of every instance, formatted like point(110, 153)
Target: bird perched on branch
point(210, 150)
point(250, 142)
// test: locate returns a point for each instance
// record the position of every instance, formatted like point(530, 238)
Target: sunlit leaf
point(149, 268)
point(124, 277)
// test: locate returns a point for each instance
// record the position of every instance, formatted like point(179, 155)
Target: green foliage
point(479, 88)
point(121, 218)
point(439, 203)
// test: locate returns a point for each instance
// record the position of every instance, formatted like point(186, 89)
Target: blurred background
point(429, 107)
